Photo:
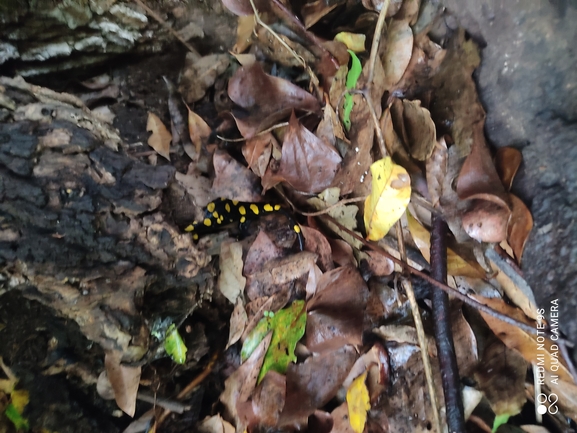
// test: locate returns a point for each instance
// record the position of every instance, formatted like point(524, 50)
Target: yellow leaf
point(354, 41)
point(456, 265)
point(160, 138)
point(358, 403)
point(20, 399)
point(390, 195)
point(198, 129)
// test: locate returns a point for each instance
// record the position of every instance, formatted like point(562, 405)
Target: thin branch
point(408, 286)
point(442, 327)
point(377, 39)
point(328, 209)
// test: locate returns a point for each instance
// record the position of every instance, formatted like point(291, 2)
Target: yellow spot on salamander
point(242, 219)
point(211, 206)
point(235, 202)
point(277, 207)
point(189, 228)
point(215, 214)
point(227, 207)
point(268, 208)
point(242, 210)
point(207, 222)
point(254, 209)
point(195, 237)
point(297, 228)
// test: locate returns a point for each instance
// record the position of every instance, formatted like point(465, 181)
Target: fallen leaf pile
point(323, 339)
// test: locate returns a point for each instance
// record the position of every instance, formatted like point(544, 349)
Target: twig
point(171, 405)
point(236, 140)
point(190, 387)
point(331, 207)
point(469, 301)
point(314, 78)
point(377, 39)
point(442, 326)
point(167, 26)
point(408, 286)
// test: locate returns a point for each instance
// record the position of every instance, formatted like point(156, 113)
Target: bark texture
point(82, 223)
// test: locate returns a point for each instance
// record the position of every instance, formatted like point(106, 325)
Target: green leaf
point(351, 83)
point(255, 336)
point(174, 345)
point(288, 327)
point(500, 420)
point(16, 417)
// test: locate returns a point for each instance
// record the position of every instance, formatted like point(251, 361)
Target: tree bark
point(81, 222)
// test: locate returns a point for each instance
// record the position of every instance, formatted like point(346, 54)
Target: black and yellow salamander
point(222, 211)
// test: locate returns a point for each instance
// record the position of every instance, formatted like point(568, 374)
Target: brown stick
point(442, 327)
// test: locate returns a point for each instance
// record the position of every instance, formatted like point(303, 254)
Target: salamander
point(221, 212)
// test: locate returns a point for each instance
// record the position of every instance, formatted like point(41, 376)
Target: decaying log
point(82, 227)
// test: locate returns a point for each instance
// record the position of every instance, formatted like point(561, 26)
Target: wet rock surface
point(528, 85)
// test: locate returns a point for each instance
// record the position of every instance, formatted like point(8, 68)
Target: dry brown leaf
point(336, 311)
point(421, 132)
point(198, 130)
point(314, 11)
point(214, 424)
point(538, 350)
point(233, 180)
point(160, 138)
point(379, 265)
point(277, 273)
point(238, 322)
point(243, 7)
point(264, 408)
point(230, 281)
point(501, 377)
point(486, 221)
point(398, 52)
point(257, 151)
point(275, 51)
point(507, 161)
point(241, 383)
point(200, 73)
point(313, 383)
point(124, 381)
point(519, 227)
point(308, 164)
point(265, 100)
point(317, 243)
point(377, 5)
point(244, 28)
point(436, 170)
point(262, 251)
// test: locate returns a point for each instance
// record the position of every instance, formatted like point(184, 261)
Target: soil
point(528, 84)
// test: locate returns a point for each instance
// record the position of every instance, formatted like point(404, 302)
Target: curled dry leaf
point(243, 7)
point(486, 221)
point(336, 311)
point(420, 129)
point(307, 163)
point(436, 170)
point(257, 152)
point(312, 12)
point(230, 281)
point(538, 350)
point(265, 100)
point(241, 383)
point(238, 322)
point(379, 265)
point(200, 73)
point(198, 130)
point(266, 403)
point(501, 376)
point(245, 26)
point(398, 52)
point(317, 243)
point(160, 138)
point(233, 180)
point(313, 383)
point(124, 381)
point(519, 227)
point(507, 161)
point(275, 51)
point(215, 424)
